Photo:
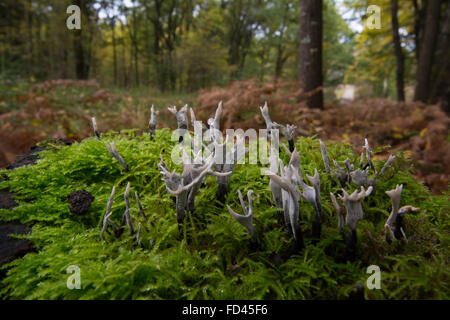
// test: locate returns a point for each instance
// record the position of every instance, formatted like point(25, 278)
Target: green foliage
point(11, 90)
point(216, 262)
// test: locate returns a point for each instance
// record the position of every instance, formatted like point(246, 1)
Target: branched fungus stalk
point(106, 221)
point(317, 222)
point(394, 228)
point(274, 187)
point(181, 186)
point(225, 162)
point(323, 150)
point(337, 207)
point(214, 125)
point(182, 120)
point(288, 132)
point(288, 180)
point(247, 219)
point(354, 214)
point(126, 214)
point(112, 150)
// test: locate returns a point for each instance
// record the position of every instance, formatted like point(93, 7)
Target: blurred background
point(338, 69)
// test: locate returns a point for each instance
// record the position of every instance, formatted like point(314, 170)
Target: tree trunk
point(398, 51)
point(80, 59)
point(29, 18)
point(427, 48)
point(135, 45)
point(418, 27)
point(310, 61)
point(441, 87)
point(113, 29)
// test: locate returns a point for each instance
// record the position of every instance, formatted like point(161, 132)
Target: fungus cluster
point(286, 183)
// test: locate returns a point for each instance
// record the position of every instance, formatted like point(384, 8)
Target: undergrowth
point(216, 262)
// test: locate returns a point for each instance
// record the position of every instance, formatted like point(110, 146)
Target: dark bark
point(427, 48)
point(441, 89)
point(79, 55)
point(398, 51)
point(418, 26)
point(29, 18)
point(310, 61)
point(81, 59)
point(351, 242)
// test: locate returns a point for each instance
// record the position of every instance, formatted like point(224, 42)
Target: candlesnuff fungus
point(354, 214)
point(315, 201)
point(214, 125)
point(310, 194)
point(94, 125)
point(288, 180)
point(182, 120)
point(368, 156)
point(127, 208)
point(266, 116)
point(360, 176)
point(394, 228)
point(112, 150)
point(196, 164)
point(108, 213)
point(138, 234)
point(228, 160)
point(341, 176)
point(141, 209)
point(323, 150)
point(247, 219)
point(337, 207)
point(288, 132)
point(181, 186)
point(153, 122)
point(387, 164)
point(274, 187)
point(194, 119)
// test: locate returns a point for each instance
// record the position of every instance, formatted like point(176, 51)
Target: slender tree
point(398, 51)
point(310, 61)
point(427, 48)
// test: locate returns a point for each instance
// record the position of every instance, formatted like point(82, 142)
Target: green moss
point(169, 268)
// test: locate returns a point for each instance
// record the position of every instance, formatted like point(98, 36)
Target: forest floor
point(62, 109)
